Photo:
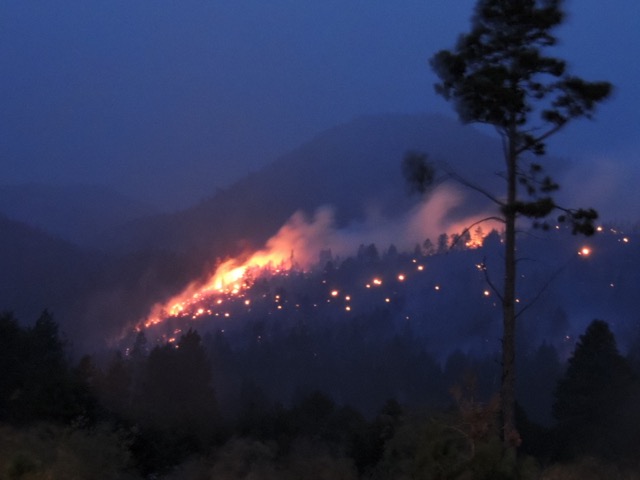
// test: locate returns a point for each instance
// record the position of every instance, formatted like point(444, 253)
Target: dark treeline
point(444, 297)
point(319, 402)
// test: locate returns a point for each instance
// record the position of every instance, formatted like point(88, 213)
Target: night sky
point(168, 100)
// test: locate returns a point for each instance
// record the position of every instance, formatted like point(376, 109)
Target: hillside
point(40, 271)
point(440, 295)
point(354, 168)
point(324, 328)
point(76, 213)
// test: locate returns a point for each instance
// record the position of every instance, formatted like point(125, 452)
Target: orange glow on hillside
point(230, 278)
point(296, 245)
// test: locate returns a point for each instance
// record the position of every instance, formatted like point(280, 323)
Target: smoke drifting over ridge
point(300, 241)
point(304, 238)
point(426, 220)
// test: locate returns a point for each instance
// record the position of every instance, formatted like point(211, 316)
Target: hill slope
point(355, 168)
point(40, 271)
point(76, 213)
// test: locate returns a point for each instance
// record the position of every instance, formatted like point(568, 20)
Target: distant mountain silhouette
point(355, 168)
point(77, 213)
point(90, 294)
point(40, 271)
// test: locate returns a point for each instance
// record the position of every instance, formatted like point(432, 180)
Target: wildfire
point(233, 277)
point(230, 278)
point(296, 245)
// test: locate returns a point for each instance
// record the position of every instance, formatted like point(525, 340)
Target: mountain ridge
point(354, 167)
point(78, 213)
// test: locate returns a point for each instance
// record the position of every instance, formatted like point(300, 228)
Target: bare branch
point(472, 186)
point(485, 271)
point(542, 137)
point(541, 291)
point(468, 229)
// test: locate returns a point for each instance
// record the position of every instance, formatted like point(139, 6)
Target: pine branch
point(487, 278)
point(468, 229)
point(538, 295)
point(541, 138)
point(460, 179)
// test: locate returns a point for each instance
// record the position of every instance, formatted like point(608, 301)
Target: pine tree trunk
point(507, 393)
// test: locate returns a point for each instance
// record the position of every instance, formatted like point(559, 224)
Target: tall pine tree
point(500, 74)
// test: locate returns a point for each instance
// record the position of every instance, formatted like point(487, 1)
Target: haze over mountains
point(354, 169)
point(77, 213)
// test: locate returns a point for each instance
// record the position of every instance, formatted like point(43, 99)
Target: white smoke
point(304, 238)
point(300, 241)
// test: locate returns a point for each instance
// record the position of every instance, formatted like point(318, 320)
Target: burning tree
point(499, 74)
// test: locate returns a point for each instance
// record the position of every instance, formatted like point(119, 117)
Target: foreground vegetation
point(157, 413)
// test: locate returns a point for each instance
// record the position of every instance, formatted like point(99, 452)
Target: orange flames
point(298, 244)
point(297, 237)
point(230, 278)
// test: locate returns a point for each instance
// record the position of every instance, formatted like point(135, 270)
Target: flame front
point(230, 278)
point(297, 245)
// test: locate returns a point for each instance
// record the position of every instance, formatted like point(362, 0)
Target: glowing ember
point(585, 251)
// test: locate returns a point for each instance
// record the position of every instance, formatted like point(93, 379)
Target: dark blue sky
point(170, 99)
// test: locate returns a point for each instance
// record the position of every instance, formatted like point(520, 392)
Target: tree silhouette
point(177, 387)
point(37, 382)
point(175, 406)
point(45, 387)
point(596, 399)
point(500, 75)
point(539, 373)
point(11, 362)
point(115, 387)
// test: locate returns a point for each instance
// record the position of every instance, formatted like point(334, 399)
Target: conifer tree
point(500, 74)
point(596, 399)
